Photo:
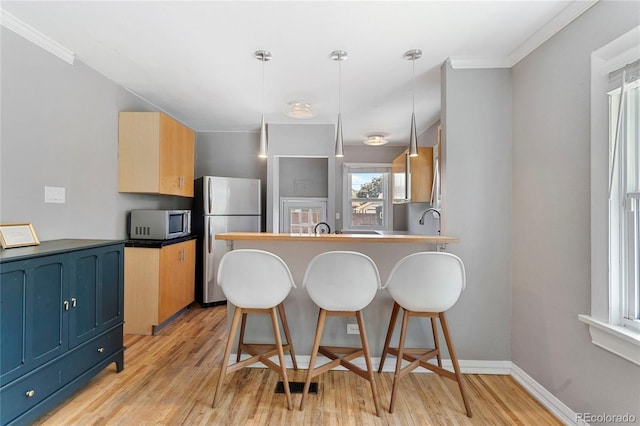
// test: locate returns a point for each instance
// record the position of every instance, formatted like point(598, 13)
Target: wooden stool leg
point(241, 338)
point(322, 316)
point(396, 376)
point(283, 370)
point(387, 341)
point(454, 361)
point(223, 368)
point(367, 358)
point(436, 341)
point(287, 335)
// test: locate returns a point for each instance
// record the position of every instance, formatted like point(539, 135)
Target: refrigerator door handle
point(210, 195)
point(210, 237)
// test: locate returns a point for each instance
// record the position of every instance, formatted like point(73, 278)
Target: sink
point(361, 231)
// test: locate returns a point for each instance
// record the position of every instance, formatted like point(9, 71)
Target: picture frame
point(17, 235)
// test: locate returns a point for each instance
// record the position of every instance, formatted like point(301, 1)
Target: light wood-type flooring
point(169, 379)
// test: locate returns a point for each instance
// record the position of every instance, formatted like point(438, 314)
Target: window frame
point(606, 326)
point(387, 208)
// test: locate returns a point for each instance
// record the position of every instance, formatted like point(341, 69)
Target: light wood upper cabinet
point(413, 179)
point(155, 154)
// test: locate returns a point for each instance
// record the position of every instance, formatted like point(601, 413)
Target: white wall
point(551, 219)
point(60, 128)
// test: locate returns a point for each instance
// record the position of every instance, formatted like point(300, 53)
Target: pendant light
point(412, 55)
point(264, 56)
point(339, 56)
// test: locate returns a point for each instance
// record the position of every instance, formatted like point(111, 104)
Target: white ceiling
point(195, 60)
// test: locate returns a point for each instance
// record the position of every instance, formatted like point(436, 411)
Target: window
point(615, 183)
point(624, 191)
point(367, 196)
point(300, 216)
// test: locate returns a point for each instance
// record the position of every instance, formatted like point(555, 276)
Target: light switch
point(54, 194)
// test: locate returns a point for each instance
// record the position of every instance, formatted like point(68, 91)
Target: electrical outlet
point(353, 329)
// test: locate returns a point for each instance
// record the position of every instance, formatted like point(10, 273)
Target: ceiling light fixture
point(412, 55)
point(300, 110)
point(375, 140)
point(264, 56)
point(339, 56)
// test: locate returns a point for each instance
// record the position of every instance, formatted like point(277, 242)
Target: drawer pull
point(30, 393)
point(100, 350)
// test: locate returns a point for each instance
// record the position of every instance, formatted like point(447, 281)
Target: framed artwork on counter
point(17, 235)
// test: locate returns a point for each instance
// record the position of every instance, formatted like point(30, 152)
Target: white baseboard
point(535, 389)
point(466, 366)
point(565, 414)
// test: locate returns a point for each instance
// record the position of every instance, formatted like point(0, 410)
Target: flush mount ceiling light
point(264, 56)
point(375, 140)
point(339, 56)
point(412, 55)
point(300, 110)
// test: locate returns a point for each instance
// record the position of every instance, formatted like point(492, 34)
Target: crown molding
point(459, 62)
point(557, 23)
point(14, 24)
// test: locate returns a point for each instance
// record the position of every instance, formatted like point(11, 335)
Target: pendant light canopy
point(339, 56)
point(264, 56)
point(412, 55)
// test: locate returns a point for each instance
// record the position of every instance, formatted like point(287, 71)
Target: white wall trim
point(460, 62)
point(546, 398)
point(14, 24)
point(561, 20)
point(557, 23)
point(559, 409)
point(621, 341)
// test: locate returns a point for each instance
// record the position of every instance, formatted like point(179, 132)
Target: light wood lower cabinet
point(158, 282)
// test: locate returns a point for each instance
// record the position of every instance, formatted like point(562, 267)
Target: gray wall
point(476, 204)
point(60, 128)
point(551, 219)
point(232, 154)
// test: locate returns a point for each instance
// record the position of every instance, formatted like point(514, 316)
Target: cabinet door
point(422, 175)
point(177, 269)
point(33, 318)
point(96, 292)
point(177, 147)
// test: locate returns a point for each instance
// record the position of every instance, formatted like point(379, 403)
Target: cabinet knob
point(73, 302)
point(100, 350)
point(30, 393)
point(66, 305)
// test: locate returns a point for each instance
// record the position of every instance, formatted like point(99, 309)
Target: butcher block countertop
point(339, 238)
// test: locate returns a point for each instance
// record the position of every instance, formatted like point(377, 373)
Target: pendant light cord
point(263, 60)
point(413, 85)
point(339, 86)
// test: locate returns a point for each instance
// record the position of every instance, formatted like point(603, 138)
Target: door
point(215, 249)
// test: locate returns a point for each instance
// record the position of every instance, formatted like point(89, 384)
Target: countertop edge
point(337, 238)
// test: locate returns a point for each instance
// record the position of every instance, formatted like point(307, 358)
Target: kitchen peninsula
point(297, 251)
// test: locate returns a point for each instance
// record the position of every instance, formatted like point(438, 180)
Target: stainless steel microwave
point(159, 224)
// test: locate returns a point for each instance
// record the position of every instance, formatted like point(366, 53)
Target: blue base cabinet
point(61, 322)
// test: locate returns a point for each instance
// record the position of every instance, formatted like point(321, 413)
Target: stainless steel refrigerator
point(220, 205)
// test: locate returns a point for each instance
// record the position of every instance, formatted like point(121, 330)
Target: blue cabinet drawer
point(89, 354)
point(25, 393)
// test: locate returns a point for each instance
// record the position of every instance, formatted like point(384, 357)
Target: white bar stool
point(424, 284)
point(256, 282)
point(341, 283)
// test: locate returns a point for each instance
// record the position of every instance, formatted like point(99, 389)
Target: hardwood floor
point(170, 378)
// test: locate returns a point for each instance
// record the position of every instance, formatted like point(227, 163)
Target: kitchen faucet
point(432, 209)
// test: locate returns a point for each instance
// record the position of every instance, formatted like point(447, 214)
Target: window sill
point(621, 341)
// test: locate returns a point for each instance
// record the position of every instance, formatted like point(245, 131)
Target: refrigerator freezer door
point(213, 250)
point(230, 196)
